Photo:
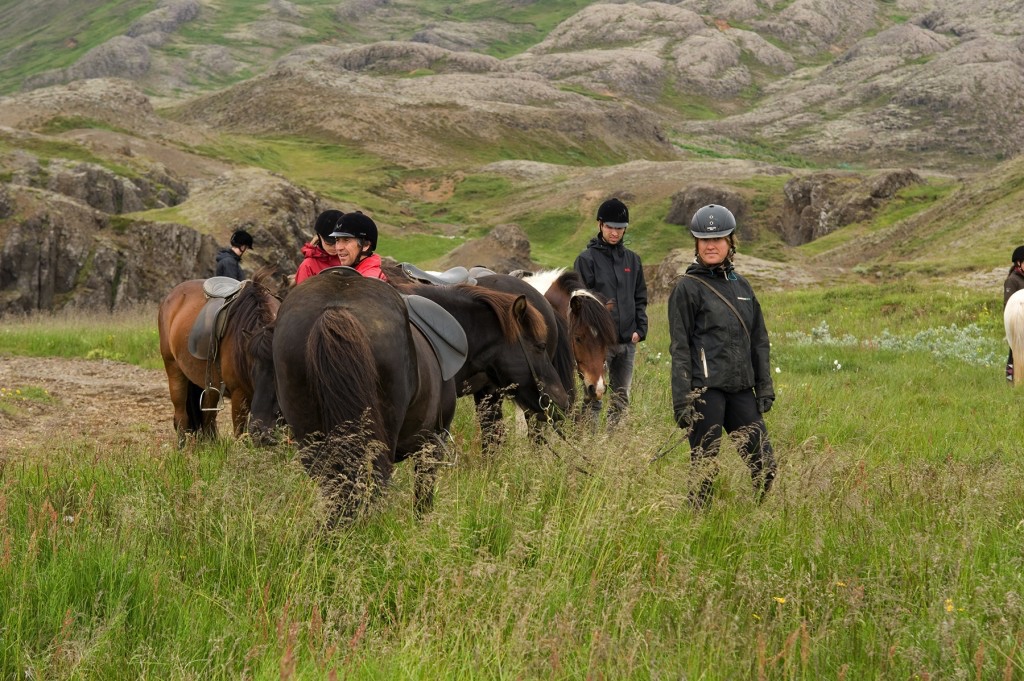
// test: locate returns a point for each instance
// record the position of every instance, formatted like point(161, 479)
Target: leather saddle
point(456, 275)
point(442, 330)
point(208, 328)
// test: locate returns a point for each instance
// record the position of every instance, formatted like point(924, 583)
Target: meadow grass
point(129, 335)
point(889, 548)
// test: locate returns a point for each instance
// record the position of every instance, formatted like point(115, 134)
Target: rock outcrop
point(504, 249)
point(820, 203)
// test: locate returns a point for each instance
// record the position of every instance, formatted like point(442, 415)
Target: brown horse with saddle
point(206, 327)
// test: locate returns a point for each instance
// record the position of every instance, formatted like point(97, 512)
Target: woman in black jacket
point(721, 377)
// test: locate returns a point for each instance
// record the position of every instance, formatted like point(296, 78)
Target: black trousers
point(736, 414)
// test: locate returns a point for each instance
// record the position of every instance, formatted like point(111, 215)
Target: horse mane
point(593, 313)
point(342, 373)
point(532, 325)
point(542, 280)
point(250, 312)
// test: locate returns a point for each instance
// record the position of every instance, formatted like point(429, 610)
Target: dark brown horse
point(489, 390)
point(358, 385)
point(591, 327)
point(195, 384)
point(508, 349)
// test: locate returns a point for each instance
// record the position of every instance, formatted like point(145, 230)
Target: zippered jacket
point(709, 347)
point(1014, 282)
point(229, 265)
point(617, 273)
point(316, 261)
point(370, 266)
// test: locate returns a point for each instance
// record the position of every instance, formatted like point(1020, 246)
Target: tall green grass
point(126, 336)
point(889, 548)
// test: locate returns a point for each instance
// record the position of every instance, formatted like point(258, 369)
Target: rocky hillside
point(124, 125)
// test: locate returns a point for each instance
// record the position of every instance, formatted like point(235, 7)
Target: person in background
point(321, 251)
point(229, 258)
point(609, 268)
point(1014, 282)
point(356, 236)
point(721, 377)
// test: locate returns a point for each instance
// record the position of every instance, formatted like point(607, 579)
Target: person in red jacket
point(357, 240)
point(321, 252)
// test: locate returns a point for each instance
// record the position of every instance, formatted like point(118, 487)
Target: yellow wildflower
point(949, 605)
point(780, 600)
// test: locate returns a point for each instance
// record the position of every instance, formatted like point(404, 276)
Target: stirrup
point(202, 396)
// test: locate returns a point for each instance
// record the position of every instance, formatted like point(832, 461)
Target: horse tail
point(1013, 322)
point(343, 376)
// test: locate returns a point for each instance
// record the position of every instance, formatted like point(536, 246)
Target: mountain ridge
point(528, 113)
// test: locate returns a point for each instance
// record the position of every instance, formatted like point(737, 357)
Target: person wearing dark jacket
point(229, 259)
point(1014, 282)
point(721, 371)
point(612, 270)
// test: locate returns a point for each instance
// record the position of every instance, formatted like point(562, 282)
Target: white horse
point(1013, 322)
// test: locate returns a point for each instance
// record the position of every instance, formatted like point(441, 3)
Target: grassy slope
point(885, 551)
point(40, 36)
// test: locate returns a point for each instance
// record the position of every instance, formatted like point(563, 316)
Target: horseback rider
point(356, 236)
point(321, 251)
point(229, 258)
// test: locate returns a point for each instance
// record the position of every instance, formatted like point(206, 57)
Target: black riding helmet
point(1018, 254)
point(325, 223)
point(614, 214)
point(357, 225)
point(712, 222)
point(241, 238)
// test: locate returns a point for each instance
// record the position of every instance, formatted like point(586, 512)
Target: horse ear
point(519, 307)
point(575, 303)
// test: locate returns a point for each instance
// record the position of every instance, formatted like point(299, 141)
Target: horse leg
point(492, 425)
point(206, 408)
point(239, 414)
point(180, 389)
point(427, 461)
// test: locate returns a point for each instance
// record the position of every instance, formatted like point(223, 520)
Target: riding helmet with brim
point(712, 222)
point(614, 214)
point(357, 225)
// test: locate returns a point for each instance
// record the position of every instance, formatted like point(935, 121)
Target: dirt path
point(102, 402)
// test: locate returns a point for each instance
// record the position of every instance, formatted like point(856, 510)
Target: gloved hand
point(764, 404)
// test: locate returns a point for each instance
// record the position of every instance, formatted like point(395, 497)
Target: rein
point(545, 402)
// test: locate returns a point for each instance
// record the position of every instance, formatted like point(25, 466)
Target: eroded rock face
point(818, 204)
point(505, 249)
point(687, 201)
point(63, 242)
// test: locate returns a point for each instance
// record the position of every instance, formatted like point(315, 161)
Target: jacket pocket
point(704, 362)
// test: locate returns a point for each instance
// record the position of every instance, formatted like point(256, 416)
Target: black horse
point(508, 347)
point(559, 349)
point(358, 385)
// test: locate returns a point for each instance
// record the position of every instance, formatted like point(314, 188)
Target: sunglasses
point(330, 240)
